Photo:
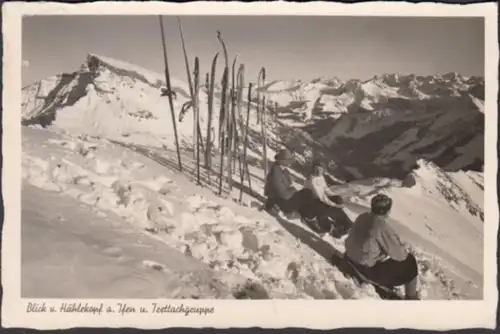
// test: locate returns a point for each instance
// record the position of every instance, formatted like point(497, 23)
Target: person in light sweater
point(325, 213)
point(376, 250)
point(316, 182)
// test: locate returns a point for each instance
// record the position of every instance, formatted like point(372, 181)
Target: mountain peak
point(99, 64)
point(96, 62)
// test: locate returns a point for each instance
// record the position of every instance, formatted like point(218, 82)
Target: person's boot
point(269, 207)
point(411, 290)
point(414, 297)
point(291, 215)
point(273, 211)
point(312, 223)
point(333, 231)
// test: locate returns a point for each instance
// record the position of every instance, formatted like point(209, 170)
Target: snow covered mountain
point(379, 127)
point(382, 126)
point(106, 140)
point(331, 98)
point(114, 100)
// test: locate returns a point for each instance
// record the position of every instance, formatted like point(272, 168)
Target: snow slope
point(148, 201)
point(70, 251)
point(106, 142)
point(110, 180)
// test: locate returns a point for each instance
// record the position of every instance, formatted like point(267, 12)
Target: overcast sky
point(290, 47)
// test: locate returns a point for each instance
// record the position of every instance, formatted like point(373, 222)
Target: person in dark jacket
point(279, 188)
point(378, 253)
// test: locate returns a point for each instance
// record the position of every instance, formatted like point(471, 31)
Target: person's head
point(381, 204)
point(284, 157)
point(318, 168)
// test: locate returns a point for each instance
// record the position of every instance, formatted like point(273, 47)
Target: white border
point(268, 314)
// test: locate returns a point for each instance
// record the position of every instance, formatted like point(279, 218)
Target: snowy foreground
point(105, 219)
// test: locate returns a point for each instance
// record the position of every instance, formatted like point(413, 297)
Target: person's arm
point(337, 180)
point(319, 189)
point(334, 180)
point(283, 189)
point(329, 192)
point(391, 244)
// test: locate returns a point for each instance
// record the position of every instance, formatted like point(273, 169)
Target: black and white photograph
point(187, 157)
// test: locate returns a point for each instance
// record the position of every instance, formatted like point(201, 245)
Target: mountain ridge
point(374, 130)
point(159, 77)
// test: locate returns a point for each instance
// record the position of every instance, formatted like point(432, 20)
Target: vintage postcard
point(206, 164)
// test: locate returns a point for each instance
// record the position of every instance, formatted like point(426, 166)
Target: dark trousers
point(391, 273)
point(337, 218)
point(326, 218)
point(296, 203)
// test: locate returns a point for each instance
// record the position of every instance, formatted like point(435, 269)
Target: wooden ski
point(226, 59)
point(196, 111)
point(245, 145)
point(221, 121)
point(197, 139)
point(208, 149)
point(240, 78)
point(262, 81)
point(169, 89)
point(191, 89)
point(231, 127)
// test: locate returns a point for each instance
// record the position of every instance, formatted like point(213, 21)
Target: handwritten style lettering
point(36, 308)
point(181, 309)
point(81, 308)
point(124, 308)
point(120, 308)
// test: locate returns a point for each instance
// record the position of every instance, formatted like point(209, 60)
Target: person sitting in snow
point(325, 212)
point(375, 249)
point(316, 182)
point(279, 188)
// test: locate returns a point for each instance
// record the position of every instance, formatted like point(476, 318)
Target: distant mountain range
point(377, 127)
